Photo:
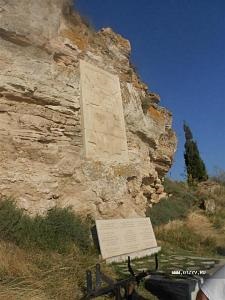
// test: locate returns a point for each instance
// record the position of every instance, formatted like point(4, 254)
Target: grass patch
point(218, 219)
point(35, 274)
point(219, 196)
point(59, 230)
point(45, 257)
point(181, 236)
point(177, 206)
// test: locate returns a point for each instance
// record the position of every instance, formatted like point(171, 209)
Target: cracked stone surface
point(41, 133)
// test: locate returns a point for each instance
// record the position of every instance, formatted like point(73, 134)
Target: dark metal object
point(115, 288)
point(129, 266)
point(164, 286)
point(156, 262)
point(89, 281)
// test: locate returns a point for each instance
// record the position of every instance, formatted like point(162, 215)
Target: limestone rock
point(209, 206)
point(208, 187)
point(43, 163)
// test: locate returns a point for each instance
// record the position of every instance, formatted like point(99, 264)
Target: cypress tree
point(195, 167)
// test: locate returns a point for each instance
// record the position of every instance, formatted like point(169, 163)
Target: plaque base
point(137, 254)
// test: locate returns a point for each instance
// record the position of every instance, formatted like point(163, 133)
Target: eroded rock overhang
point(45, 157)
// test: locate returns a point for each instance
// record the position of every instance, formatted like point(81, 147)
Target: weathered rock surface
point(207, 191)
point(41, 135)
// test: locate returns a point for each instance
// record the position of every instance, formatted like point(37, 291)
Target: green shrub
point(58, 230)
point(177, 206)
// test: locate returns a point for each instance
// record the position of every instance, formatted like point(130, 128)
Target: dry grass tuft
point(195, 233)
point(35, 274)
point(13, 261)
point(200, 224)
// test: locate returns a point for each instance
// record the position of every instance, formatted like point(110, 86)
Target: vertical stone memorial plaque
point(122, 237)
point(102, 115)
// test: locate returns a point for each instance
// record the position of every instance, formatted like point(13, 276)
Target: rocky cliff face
point(41, 132)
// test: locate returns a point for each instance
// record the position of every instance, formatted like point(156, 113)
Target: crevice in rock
point(69, 85)
point(75, 109)
point(14, 38)
point(18, 86)
point(2, 89)
point(147, 180)
point(43, 140)
point(30, 99)
point(131, 178)
point(150, 141)
point(70, 46)
point(64, 58)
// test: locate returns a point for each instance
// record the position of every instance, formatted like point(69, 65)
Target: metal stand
point(113, 287)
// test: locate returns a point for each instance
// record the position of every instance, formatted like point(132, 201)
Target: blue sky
point(178, 47)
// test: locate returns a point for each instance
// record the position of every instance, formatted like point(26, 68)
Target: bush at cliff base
point(58, 230)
